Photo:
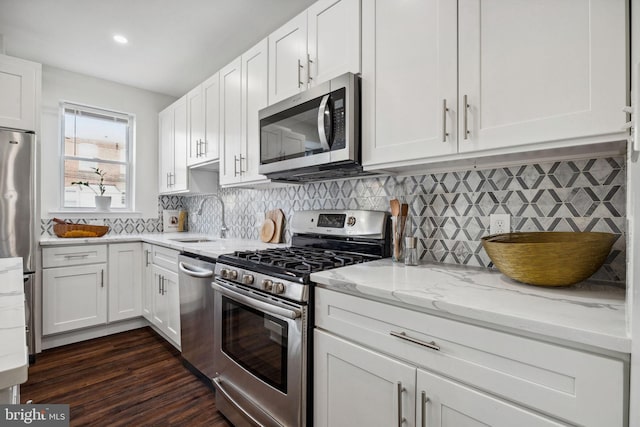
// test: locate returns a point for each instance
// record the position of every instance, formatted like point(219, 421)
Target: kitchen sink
point(193, 240)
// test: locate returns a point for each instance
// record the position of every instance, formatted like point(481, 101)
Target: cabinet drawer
point(165, 257)
point(62, 256)
point(573, 385)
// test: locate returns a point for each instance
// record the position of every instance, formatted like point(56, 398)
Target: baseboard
point(58, 340)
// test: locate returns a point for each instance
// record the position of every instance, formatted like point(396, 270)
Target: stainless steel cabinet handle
point(235, 168)
point(102, 278)
point(299, 78)
point(444, 120)
point(424, 400)
point(401, 419)
point(465, 106)
point(240, 162)
point(159, 284)
point(432, 345)
point(198, 148)
point(205, 144)
point(163, 288)
point(167, 179)
point(172, 179)
point(146, 257)
point(76, 256)
point(309, 62)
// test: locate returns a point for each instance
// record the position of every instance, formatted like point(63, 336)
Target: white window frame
point(130, 143)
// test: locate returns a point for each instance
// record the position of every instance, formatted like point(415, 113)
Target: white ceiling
point(173, 44)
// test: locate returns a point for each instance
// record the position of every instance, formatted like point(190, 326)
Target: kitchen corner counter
point(213, 248)
point(14, 362)
point(588, 313)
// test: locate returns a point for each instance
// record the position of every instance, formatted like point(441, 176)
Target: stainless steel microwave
point(313, 135)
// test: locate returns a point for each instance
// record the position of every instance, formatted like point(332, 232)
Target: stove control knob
point(278, 288)
point(267, 285)
point(233, 274)
point(224, 273)
point(247, 279)
point(351, 221)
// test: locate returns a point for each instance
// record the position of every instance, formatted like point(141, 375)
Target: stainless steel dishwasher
point(196, 312)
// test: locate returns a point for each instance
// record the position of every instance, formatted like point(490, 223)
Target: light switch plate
point(499, 223)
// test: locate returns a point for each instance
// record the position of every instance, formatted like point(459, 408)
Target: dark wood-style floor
point(133, 378)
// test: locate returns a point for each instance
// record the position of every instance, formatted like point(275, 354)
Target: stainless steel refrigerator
point(17, 211)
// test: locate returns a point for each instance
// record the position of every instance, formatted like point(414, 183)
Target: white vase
point(103, 203)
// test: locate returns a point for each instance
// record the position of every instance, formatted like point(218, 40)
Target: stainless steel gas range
point(264, 314)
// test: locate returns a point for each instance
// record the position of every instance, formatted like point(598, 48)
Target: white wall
point(60, 85)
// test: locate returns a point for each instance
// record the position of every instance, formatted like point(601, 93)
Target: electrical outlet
point(499, 223)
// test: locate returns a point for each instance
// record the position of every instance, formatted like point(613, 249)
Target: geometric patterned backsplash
point(449, 212)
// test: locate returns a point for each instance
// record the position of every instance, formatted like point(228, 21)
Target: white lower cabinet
point(90, 285)
point(147, 282)
point(381, 365)
point(73, 297)
point(161, 298)
point(125, 287)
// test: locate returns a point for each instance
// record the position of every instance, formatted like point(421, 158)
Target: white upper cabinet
point(321, 43)
point(333, 43)
point(173, 147)
point(486, 77)
point(541, 71)
point(409, 80)
point(254, 98)
point(203, 104)
point(20, 83)
point(231, 122)
point(288, 59)
point(243, 92)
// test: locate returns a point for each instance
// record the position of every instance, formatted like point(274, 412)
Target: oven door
point(260, 357)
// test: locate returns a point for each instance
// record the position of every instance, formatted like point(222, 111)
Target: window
point(96, 139)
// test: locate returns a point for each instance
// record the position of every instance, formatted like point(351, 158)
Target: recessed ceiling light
point(120, 39)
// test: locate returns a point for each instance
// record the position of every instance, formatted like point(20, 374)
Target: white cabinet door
point(288, 59)
point(254, 98)
point(210, 149)
point(165, 136)
point(195, 124)
point(358, 387)
point(20, 88)
point(541, 71)
point(334, 39)
point(166, 303)
point(147, 282)
point(125, 281)
point(159, 302)
point(73, 297)
point(445, 403)
point(409, 72)
point(231, 122)
point(172, 295)
point(179, 180)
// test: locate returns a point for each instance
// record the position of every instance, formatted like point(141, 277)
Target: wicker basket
point(549, 258)
point(72, 230)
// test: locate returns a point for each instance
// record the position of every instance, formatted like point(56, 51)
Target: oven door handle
point(257, 304)
point(194, 271)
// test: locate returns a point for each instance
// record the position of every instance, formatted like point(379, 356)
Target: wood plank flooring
point(134, 378)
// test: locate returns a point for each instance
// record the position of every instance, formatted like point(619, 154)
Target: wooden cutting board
point(268, 230)
point(277, 216)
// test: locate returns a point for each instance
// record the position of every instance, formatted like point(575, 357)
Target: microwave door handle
point(321, 117)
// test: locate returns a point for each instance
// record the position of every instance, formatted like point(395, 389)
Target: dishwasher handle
point(192, 270)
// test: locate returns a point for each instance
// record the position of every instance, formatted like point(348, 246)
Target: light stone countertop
point(588, 313)
point(14, 359)
point(211, 249)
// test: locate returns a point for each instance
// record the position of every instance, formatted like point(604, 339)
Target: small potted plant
point(103, 203)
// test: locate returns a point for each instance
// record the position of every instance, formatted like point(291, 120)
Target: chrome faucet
point(223, 226)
